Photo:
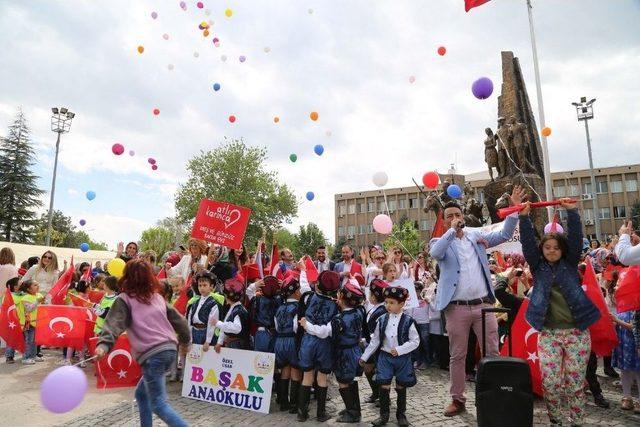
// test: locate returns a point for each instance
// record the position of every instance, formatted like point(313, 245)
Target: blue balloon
point(91, 195)
point(84, 247)
point(310, 195)
point(82, 222)
point(454, 191)
point(319, 149)
point(216, 86)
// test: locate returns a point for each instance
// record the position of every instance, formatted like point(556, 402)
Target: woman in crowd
point(421, 271)
point(128, 253)
point(8, 269)
point(192, 263)
point(397, 257)
point(45, 272)
point(237, 259)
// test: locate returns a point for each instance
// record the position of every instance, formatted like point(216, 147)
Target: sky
point(351, 62)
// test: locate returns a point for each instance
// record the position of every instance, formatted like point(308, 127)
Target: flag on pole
point(118, 368)
point(58, 292)
point(312, 271)
point(470, 4)
point(10, 328)
point(275, 257)
point(259, 261)
point(183, 297)
point(438, 227)
point(603, 334)
point(627, 294)
point(61, 326)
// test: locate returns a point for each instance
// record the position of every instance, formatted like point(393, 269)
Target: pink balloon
point(117, 149)
point(549, 228)
point(154, 167)
point(382, 224)
point(151, 160)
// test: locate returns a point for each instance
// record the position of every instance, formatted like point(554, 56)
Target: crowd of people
point(350, 318)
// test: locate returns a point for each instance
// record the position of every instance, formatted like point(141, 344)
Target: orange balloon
point(276, 119)
point(546, 132)
point(205, 33)
point(140, 49)
point(313, 116)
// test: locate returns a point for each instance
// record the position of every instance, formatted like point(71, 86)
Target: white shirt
point(295, 318)
point(7, 272)
point(233, 327)
point(403, 270)
point(627, 254)
point(321, 331)
point(45, 279)
point(471, 284)
point(391, 339)
point(213, 317)
point(323, 266)
point(183, 268)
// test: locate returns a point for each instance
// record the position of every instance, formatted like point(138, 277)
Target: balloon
point(91, 195)
point(293, 157)
point(200, 5)
point(216, 86)
point(276, 119)
point(170, 67)
point(318, 149)
point(546, 132)
point(267, 49)
point(223, 58)
point(310, 195)
point(151, 161)
point(328, 133)
point(412, 79)
point(183, 4)
point(228, 13)
point(313, 116)
point(117, 149)
point(84, 247)
point(205, 33)
point(83, 222)
point(154, 167)
point(165, 36)
point(430, 180)
point(115, 267)
point(196, 54)
point(442, 50)
point(454, 191)
point(216, 40)
point(242, 58)
point(232, 119)
point(549, 228)
point(482, 88)
point(154, 15)
point(382, 224)
point(156, 111)
point(140, 49)
point(380, 179)
point(63, 389)
point(132, 153)
point(310, 11)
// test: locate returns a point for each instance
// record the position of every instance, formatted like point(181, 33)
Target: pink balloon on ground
point(382, 224)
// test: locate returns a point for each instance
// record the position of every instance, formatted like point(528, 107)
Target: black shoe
point(611, 373)
point(283, 394)
point(303, 403)
point(384, 408)
point(321, 410)
point(355, 392)
point(375, 389)
point(293, 397)
point(402, 407)
point(345, 416)
point(600, 401)
point(10, 360)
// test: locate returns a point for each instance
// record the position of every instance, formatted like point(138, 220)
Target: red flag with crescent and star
point(118, 368)
point(603, 334)
point(58, 292)
point(61, 326)
point(10, 329)
point(470, 4)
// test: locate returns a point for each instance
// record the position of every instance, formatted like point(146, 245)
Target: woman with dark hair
point(237, 259)
point(128, 253)
point(151, 327)
point(421, 269)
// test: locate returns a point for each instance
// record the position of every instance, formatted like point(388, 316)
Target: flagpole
point(545, 147)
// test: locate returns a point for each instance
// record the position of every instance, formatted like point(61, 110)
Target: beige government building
point(616, 189)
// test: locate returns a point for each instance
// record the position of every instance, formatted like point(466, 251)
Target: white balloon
point(267, 49)
point(223, 58)
point(165, 36)
point(380, 179)
point(170, 67)
point(196, 54)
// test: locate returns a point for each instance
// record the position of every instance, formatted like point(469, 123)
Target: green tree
point(180, 230)
point(236, 173)
point(635, 215)
point(309, 238)
point(336, 253)
point(286, 239)
point(406, 236)
point(63, 233)
point(158, 239)
point(19, 193)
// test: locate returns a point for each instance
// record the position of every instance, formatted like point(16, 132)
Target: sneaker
point(39, 358)
point(10, 360)
point(28, 362)
point(63, 362)
point(600, 401)
point(636, 407)
point(611, 373)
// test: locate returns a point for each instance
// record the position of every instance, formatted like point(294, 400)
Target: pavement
point(20, 406)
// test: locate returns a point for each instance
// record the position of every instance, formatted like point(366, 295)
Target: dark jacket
point(564, 273)
point(506, 298)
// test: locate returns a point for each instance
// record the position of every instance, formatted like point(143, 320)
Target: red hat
point(234, 289)
point(328, 281)
point(173, 259)
point(377, 288)
point(359, 278)
point(271, 286)
point(397, 293)
point(352, 293)
point(289, 286)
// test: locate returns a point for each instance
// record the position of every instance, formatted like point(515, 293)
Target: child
point(286, 325)
point(234, 330)
point(204, 312)
point(102, 309)
point(317, 353)
point(626, 357)
point(176, 282)
point(389, 272)
point(29, 301)
point(346, 330)
point(395, 336)
point(97, 283)
point(376, 298)
point(12, 284)
point(421, 316)
point(263, 309)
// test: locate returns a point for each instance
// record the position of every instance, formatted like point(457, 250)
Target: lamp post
point(584, 110)
point(60, 123)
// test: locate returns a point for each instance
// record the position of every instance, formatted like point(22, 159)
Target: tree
point(180, 230)
point(236, 174)
point(309, 238)
point(19, 193)
point(336, 253)
point(159, 239)
point(286, 239)
point(635, 215)
point(63, 233)
point(405, 236)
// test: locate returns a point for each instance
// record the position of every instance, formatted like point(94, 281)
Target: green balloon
point(293, 157)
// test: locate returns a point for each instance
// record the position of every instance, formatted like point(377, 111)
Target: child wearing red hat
point(234, 330)
point(262, 311)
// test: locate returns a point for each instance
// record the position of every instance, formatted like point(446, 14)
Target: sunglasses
point(380, 257)
point(420, 257)
point(47, 257)
point(397, 252)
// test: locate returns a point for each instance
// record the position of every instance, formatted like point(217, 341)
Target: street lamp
point(60, 123)
point(584, 109)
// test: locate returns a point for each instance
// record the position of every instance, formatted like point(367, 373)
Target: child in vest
point(346, 330)
point(395, 336)
point(204, 312)
point(376, 299)
point(12, 284)
point(286, 325)
point(421, 316)
point(263, 309)
point(102, 308)
point(234, 330)
point(30, 300)
point(317, 353)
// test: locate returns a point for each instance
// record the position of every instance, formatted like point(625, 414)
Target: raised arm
point(625, 251)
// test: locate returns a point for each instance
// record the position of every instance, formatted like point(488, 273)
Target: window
point(402, 204)
point(352, 208)
point(341, 231)
point(616, 186)
point(602, 187)
point(392, 205)
point(413, 203)
point(559, 191)
point(351, 231)
point(343, 209)
point(573, 189)
point(632, 184)
point(362, 207)
point(370, 228)
point(586, 187)
point(587, 214)
point(362, 229)
point(619, 211)
point(372, 206)
point(381, 207)
point(604, 213)
point(424, 224)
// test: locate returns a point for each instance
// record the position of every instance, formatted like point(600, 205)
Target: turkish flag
point(628, 292)
point(275, 257)
point(118, 368)
point(78, 301)
point(438, 227)
point(10, 328)
point(470, 4)
point(61, 326)
point(180, 303)
point(524, 343)
point(95, 296)
point(89, 324)
point(312, 271)
point(58, 292)
point(250, 272)
point(603, 333)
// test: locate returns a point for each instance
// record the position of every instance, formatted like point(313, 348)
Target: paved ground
point(21, 407)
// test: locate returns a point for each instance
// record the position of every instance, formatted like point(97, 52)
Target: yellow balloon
point(228, 13)
point(115, 267)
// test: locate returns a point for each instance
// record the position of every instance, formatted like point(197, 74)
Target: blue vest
point(205, 310)
point(346, 329)
point(403, 328)
point(240, 311)
point(262, 311)
point(284, 319)
point(373, 320)
point(320, 309)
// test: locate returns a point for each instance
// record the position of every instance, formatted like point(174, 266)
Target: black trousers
point(592, 378)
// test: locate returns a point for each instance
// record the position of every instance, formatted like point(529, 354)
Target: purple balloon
point(82, 222)
point(482, 88)
point(151, 161)
point(63, 389)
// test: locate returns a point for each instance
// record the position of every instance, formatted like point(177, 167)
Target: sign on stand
point(221, 223)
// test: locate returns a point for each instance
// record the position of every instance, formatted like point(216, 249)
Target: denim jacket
point(564, 273)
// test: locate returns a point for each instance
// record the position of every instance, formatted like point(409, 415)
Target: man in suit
point(322, 263)
point(348, 267)
point(465, 288)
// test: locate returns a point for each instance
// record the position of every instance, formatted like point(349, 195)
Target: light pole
point(60, 123)
point(585, 113)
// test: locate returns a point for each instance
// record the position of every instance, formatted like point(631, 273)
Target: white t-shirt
point(471, 284)
point(45, 279)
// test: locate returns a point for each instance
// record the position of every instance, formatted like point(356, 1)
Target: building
point(616, 189)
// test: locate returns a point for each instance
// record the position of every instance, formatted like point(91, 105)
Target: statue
point(471, 208)
point(504, 148)
point(521, 153)
point(490, 152)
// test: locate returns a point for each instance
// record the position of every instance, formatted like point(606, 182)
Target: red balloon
point(156, 111)
point(154, 167)
point(232, 119)
point(117, 149)
point(430, 180)
point(442, 50)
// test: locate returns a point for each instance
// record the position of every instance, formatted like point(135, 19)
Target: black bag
point(504, 393)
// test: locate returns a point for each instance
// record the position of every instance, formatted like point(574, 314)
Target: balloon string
point(403, 247)
point(385, 203)
point(84, 361)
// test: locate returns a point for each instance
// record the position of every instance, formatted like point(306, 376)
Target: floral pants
point(564, 354)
